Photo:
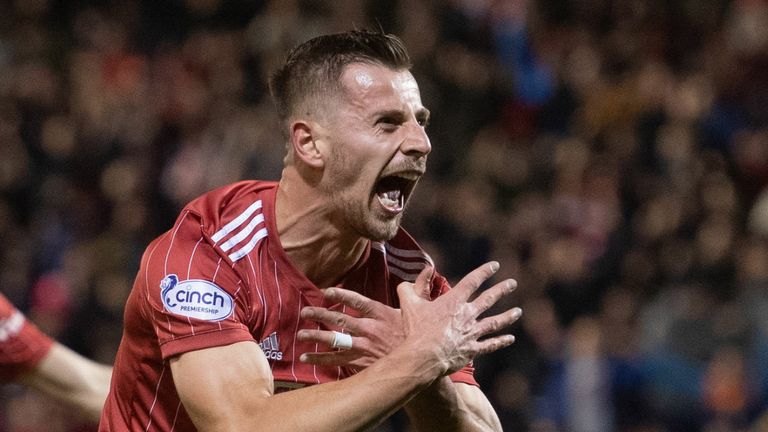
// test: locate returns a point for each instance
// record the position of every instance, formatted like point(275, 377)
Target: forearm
point(441, 336)
point(355, 403)
point(447, 406)
point(73, 379)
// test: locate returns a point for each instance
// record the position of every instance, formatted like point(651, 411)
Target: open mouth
point(392, 191)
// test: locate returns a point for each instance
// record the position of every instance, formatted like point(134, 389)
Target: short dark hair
point(313, 69)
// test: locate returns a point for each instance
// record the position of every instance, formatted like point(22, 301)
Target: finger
point(356, 301)
point(330, 318)
point(489, 297)
point(474, 279)
point(497, 322)
point(492, 344)
point(423, 284)
point(331, 358)
point(324, 337)
point(328, 337)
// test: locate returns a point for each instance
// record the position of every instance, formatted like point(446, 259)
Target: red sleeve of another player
point(465, 375)
point(193, 297)
point(22, 344)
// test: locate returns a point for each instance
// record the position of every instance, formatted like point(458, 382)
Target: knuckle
point(477, 279)
point(489, 301)
point(362, 345)
point(494, 325)
point(340, 320)
point(359, 304)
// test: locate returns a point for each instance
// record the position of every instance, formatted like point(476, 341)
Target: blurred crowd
point(612, 155)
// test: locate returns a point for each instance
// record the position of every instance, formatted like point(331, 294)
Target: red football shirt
point(22, 344)
point(220, 276)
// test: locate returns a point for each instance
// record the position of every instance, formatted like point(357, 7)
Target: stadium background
point(611, 154)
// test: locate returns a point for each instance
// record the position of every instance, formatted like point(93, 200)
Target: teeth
point(392, 195)
point(391, 199)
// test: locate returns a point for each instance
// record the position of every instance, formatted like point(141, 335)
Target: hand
point(448, 327)
point(375, 332)
point(380, 328)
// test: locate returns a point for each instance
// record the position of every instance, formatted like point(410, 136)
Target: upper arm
point(192, 298)
point(220, 386)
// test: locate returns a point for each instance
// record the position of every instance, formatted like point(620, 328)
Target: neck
point(310, 236)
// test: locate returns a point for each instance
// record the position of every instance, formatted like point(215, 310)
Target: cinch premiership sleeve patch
point(195, 298)
point(189, 294)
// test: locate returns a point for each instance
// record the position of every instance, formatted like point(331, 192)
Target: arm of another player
point(30, 357)
point(230, 387)
point(71, 378)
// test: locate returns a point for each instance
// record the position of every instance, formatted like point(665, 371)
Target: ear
point(304, 136)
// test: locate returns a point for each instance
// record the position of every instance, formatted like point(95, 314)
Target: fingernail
point(303, 358)
point(517, 312)
point(329, 292)
point(494, 266)
point(511, 285)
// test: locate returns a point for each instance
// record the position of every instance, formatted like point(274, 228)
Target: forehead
point(372, 85)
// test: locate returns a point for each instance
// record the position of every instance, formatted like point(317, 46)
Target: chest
point(277, 297)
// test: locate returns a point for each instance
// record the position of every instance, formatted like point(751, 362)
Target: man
point(214, 333)
point(29, 357)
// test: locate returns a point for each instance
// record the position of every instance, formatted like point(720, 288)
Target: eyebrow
point(420, 114)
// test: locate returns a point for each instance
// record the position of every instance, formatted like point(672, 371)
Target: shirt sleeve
point(22, 344)
point(194, 298)
point(466, 374)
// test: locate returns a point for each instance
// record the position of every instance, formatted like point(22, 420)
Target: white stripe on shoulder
point(408, 253)
point(236, 255)
point(240, 236)
point(408, 277)
point(236, 222)
point(406, 265)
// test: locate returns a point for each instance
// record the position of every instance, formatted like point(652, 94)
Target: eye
point(388, 123)
point(422, 117)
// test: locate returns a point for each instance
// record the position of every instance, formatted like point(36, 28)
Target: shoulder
point(221, 204)
point(231, 215)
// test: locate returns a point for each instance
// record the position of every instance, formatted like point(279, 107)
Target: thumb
point(423, 285)
point(414, 292)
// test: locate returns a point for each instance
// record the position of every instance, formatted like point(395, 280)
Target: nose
point(416, 141)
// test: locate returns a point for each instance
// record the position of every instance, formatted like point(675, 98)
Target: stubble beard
point(358, 217)
point(350, 210)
